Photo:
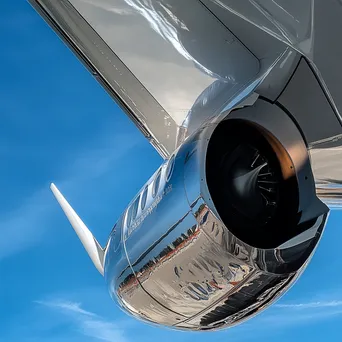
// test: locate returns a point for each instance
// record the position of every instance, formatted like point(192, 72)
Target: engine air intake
point(253, 183)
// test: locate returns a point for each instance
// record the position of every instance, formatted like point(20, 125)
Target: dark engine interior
point(253, 184)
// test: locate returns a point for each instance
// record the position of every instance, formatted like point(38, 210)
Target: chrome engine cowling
point(223, 228)
point(242, 98)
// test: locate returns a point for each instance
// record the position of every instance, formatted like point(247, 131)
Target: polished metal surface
point(169, 50)
point(156, 58)
point(288, 21)
point(159, 62)
point(307, 26)
point(326, 158)
point(153, 121)
point(182, 254)
point(182, 70)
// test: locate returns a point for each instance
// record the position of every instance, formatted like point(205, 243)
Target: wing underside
point(157, 59)
point(172, 65)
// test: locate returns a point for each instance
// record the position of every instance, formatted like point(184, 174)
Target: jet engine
point(242, 100)
point(221, 230)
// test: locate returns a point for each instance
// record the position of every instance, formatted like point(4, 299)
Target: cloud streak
point(283, 317)
point(86, 322)
point(72, 307)
point(311, 305)
point(27, 225)
point(290, 314)
point(23, 227)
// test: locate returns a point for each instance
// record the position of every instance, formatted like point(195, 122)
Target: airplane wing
point(156, 59)
point(172, 65)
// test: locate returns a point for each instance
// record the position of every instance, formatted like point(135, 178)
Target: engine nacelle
point(222, 229)
point(245, 90)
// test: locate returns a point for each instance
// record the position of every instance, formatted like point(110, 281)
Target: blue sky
point(59, 125)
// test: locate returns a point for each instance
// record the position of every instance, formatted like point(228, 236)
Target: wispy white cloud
point(23, 227)
point(67, 306)
point(86, 322)
point(102, 330)
point(284, 316)
point(310, 305)
point(27, 225)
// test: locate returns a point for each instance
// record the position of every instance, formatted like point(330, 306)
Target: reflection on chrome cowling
point(187, 270)
point(233, 93)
